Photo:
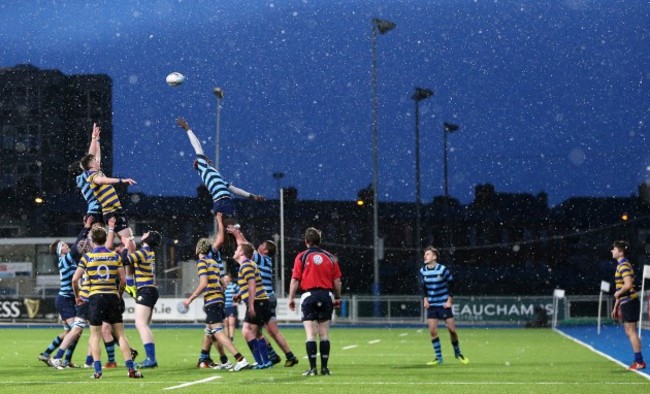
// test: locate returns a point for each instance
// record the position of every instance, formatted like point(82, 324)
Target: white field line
point(404, 334)
point(350, 347)
point(374, 341)
point(643, 374)
point(193, 383)
point(370, 383)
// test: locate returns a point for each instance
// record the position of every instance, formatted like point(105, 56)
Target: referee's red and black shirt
point(316, 268)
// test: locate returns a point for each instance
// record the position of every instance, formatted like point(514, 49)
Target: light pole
point(279, 241)
point(382, 26)
point(419, 95)
point(218, 92)
point(447, 128)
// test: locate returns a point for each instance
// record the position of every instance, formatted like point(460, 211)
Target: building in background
point(46, 120)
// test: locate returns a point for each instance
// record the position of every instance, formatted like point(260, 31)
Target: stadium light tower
point(382, 26)
point(419, 95)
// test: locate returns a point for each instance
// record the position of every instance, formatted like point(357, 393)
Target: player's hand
point(337, 303)
point(182, 123)
point(292, 305)
point(236, 298)
point(78, 301)
point(88, 221)
point(130, 290)
point(96, 131)
point(128, 181)
point(251, 310)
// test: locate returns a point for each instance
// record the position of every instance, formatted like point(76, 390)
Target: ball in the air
point(181, 308)
point(175, 79)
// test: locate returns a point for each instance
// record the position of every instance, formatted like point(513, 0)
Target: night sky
point(551, 96)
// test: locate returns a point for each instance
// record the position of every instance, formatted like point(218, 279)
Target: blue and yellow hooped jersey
point(105, 194)
point(144, 266)
point(213, 293)
point(101, 266)
point(623, 270)
point(248, 270)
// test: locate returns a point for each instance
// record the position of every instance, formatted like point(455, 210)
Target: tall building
point(46, 120)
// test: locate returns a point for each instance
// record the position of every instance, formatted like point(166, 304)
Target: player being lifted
point(220, 190)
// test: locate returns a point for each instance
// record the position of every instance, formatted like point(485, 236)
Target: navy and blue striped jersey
point(212, 178)
point(67, 267)
point(216, 256)
point(265, 264)
point(435, 284)
point(231, 290)
point(144, 266)
point(89, 196)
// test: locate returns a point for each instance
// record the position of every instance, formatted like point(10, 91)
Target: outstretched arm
point(94, 148)
point(244, 193)
point(220, 237)
point(239, 236)
point(105, 180)
point(196, 144)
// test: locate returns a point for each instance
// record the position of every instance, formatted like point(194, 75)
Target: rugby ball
point(175, 79)
point(181, 308)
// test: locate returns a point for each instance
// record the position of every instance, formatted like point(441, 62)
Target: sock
point(437, 348)
point(324, 353)
point(110, 351)
point(70, 351)
point(98, 366)
point(272, 354)
point(264, 351)
point(311, 353)
point(252, 345)
point(59, 353)
point(129, 364)
point(223, 358)
point(456, 348)
point(638, 357)
point(55, 344)
point(290, 356)
point(205, 355)
point(239, 357)
point(89, 359)
point(150, 349)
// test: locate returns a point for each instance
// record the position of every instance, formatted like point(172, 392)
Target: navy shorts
point(316, 305)
point(439, 312)
point(147, 296)
point(97, 217)
point(83, 311)
point(226, 206)
point(65, 306)
point(630, 311)
point(262, 313)
point(121, 221)
point(105, 308)
point(214, 313)
point(273, 304)
point(231, 311)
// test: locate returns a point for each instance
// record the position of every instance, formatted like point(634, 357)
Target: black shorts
point(105, 308)
point(83, 311)
point(214, 313)
point(630, 311)
point(262, 313)
point(121, 221)
point(147, 296)
point(97, 217)
point(316, 304)
point(65, 306)
point(439, 312)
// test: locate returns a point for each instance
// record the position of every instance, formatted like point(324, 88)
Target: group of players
point(94, 274)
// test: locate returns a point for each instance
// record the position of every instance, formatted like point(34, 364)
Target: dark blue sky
point(551, 96)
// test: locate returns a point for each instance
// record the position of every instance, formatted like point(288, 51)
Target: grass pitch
point(362, 360)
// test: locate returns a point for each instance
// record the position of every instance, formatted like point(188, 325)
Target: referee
point(317, 273)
